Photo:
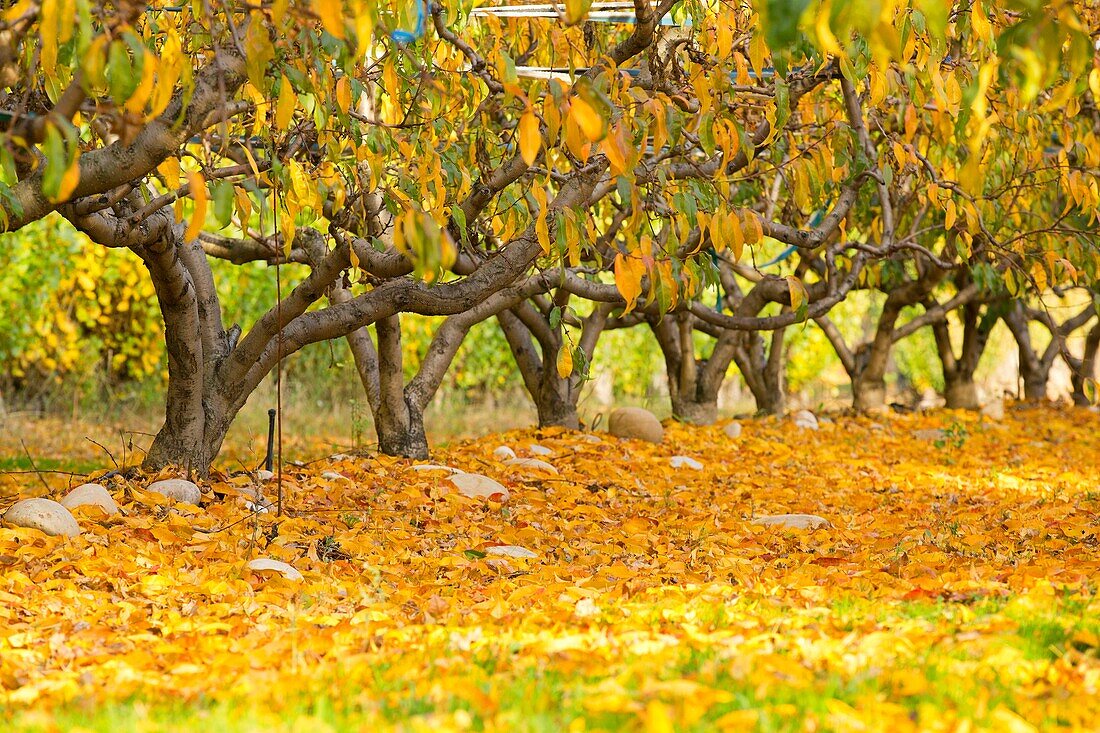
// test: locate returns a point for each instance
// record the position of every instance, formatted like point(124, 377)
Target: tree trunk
point(198, 407)
point(960, 393)
point(401, 432)
point(763, 370)
point(693, 384)
point(869, 393)
point(556, 402)
point(399, 420)
point(555, 397)
point(1085, 369)
point(1033, 369)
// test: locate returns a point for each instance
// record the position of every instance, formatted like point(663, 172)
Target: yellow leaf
point(542, 228)
point(753, 230)
point(950, 213)
point(658, 718)
point(137, 100)
point(343, 94)
point(825, 38)
point(615, 149)
point(576, 10)
point(170, 169)
point(529, 138)
point(284, 108)
point(565, 361)
point(628, 279)
point(736, 235)
point(198, 194)
point(69, 179)
point(797, 292)
point(168, 73)
point(331, 13)
point(588, 119)
point(757, 52)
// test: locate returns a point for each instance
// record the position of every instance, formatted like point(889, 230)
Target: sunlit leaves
point(564, 363)
point(331, 13)
point(530, 140)
point(629, 271)
point(285, 104)
point(199, 195)
point(588, 119)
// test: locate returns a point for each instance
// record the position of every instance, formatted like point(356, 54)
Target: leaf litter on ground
point(954, 587)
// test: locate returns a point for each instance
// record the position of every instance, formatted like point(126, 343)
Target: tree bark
point(1084, 369)
point(1033, 370)
point(764, 370)
point(960, 391)
point(555, 397)
point(693, 383)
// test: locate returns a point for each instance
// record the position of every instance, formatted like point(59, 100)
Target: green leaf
point(223, 202)
point(780, 22)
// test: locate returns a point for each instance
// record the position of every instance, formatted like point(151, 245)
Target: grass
point(916, 687)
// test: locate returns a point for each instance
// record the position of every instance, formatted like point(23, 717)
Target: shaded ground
point(956, 587)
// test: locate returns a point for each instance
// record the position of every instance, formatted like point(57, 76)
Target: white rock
point(503, 452)
point(90, 495)
point(994, 409)
point(733, 430)
point(339, 457)
point(589, 438)
point(267, 565)
point(509, 551)
point(334, 476)
point(178, 489)
point(539, 450)
point(264, 475)
point(534, 463)
point(586, 608)
point(635, 422)
point(685, 462)
point(793, 521)
point(44, 515)
point(435, 467)
point(805, 419)
point(474, 484)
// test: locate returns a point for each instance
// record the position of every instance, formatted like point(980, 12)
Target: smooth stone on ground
point(805, 419)
point(509, 551)
point(685, 462)
point(503, 452)
point(793, 521)
point(267, 565)
point(90, 495)
point(733, 430)
point(264, 475)
point(44, 515)
point(334, 476)
point(635, 422)
point(435, 467)
point(994, 409)
point(531, 463)
point(476, 485)
point(539, 450)
point(178, 489)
